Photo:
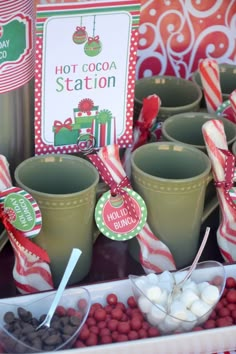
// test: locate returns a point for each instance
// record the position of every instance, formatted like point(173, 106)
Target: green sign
point(12, 41)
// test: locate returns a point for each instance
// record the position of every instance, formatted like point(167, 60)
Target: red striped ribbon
point(227, 184)
point(116, 188)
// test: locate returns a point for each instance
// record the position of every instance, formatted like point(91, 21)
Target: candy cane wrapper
point(215, 139)
point(141, 131)
point(210, 77)
point(232, 99)
point(155, 256)
point(31, 274)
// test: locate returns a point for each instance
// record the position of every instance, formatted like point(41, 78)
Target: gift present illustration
point(104, 128)
point(85, 113)
point(65, 133)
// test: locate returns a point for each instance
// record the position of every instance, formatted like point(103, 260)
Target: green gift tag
point(113, 219)
point(13, 46)
point(22, 211)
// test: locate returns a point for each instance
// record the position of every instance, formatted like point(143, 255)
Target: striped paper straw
point(155, 256)
point(210, 77)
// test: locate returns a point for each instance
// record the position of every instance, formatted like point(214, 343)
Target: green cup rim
point(234, 148)
point(170, 78)
point(190, 115)
point(173, 144)
point(63, 156)
point(223, 67)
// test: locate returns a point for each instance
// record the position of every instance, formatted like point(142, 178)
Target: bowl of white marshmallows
point(174, 306)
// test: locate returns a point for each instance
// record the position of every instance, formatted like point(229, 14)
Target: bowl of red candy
point(19, 322)
point(174, 309)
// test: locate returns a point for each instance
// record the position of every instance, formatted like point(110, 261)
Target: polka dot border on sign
point(124, 141)
point(120, 236)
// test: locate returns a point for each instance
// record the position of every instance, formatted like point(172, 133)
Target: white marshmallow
point(179, 276)
point(158, 311)
point(178, 310)
point(191, 285)
point(170, 324)
point(152, 278)
point(166, 280)
point(163, 298)
point(200, 308)
point(152, 320)
point(153, 293)
point(188, 296)
point(144, 304)
point(202, 285)
point(142, 283)
point(190, 322)
point(156, 314)
point(210, 294)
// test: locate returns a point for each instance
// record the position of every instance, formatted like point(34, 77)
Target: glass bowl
point(188, 307)
point(17, 336)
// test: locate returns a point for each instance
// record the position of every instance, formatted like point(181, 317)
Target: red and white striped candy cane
point(232, 99)
point(155, 256)
point(141, 131)
point(215, 140)
point(5, 177)
point(31, 271)
point(210, 77)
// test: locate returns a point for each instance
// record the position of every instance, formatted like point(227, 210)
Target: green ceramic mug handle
point(210, 205)
point(101, 188)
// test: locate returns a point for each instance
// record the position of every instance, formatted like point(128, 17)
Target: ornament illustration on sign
point(21, 210)
point(93, 46)
point(113, 218)
point(80, 36)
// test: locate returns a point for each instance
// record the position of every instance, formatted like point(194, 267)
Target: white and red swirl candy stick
point(142, 126)
point(210, 77)
point(31, 271)
point(5, 177)
point(155, 256)
point(232, 99)
point(217, 148)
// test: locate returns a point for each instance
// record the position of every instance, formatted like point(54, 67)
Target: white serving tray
point(199, 342)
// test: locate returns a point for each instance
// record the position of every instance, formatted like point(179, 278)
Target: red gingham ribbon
point(116, 188)
point(229, 170)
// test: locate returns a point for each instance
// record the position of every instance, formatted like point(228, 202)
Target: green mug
point(227, 80)
point(64, 187)
point(186, 128)
point(172, 179)
point(234, 148)
point(177, 95)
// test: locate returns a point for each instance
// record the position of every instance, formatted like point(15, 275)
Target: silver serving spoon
point(75, 254)
point(178, 286)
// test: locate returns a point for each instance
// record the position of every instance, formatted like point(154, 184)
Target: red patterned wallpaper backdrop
point(175, 34)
